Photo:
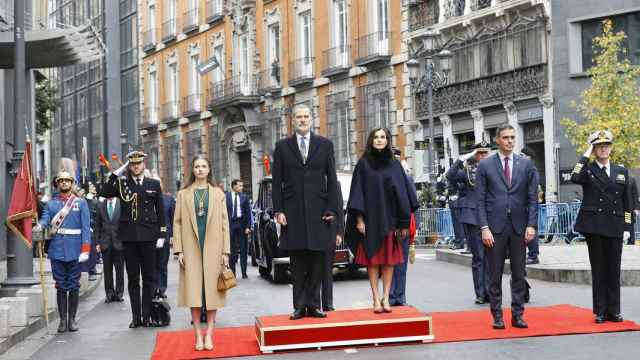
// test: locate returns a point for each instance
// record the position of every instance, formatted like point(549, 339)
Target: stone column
point(447, 133)
point(478, 125)
point(512, 119)
point(550, 161)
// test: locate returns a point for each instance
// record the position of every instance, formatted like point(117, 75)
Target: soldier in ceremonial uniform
point(142, 229)
point(67, 218)
point(462, 175)
point(605, 221)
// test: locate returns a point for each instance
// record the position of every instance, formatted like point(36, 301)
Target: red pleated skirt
point(390, 253)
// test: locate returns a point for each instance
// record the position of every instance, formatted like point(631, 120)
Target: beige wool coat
point(185, 240)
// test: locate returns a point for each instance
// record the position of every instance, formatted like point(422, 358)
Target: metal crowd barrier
point(555, 222)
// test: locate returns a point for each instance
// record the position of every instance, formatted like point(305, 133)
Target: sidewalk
point(36, 323)
point(562, 263)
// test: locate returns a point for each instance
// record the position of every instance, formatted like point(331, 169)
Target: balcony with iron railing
point(169, 30)
point(236, 90)
point(190, 20)
point(149, 40)
point(269, 80)
point(192, 105)
point(214, 11)
point(336, 60)
point(169, 111)
point(373, 48)
point(301, 71)
point(150, 117)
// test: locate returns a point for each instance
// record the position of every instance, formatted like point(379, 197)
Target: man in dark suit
point(462, 174)
point(106, 233)
point(162, 254)
point(239, 211)
point(141, 229)
point(605, 221)
point(305, 200)
point(508, 214)
point(327, 277)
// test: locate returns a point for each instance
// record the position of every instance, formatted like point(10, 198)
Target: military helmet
point(64, 175)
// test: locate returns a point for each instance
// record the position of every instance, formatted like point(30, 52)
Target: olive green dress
point(202, 194)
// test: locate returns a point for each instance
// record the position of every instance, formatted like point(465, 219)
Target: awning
point(53, 48)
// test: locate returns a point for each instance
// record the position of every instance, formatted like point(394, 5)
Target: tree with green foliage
point(612, 102)
point(46, 104)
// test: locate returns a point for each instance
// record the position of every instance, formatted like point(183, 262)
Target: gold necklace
point(200, 202)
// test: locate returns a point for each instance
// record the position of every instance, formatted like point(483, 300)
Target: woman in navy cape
point(379, 213)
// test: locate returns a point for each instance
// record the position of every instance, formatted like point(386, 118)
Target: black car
point(272, 261)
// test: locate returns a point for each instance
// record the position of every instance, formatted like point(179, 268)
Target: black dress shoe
point(533, 261)
point(599, 319)
point(480, 300)
point(147, 322)
point(519, 323)
point(298, 314)
point(498, 323)
point(119, 299)
point(615, 318)
point(244, 276)
point(135, 324)
point(328, 308)
point(311, 312)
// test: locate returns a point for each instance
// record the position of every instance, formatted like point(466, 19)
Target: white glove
point(468, 156)
point(121, 169)
point(83, 257)
point(160, 243)
point(625, 236)
point(589, 151)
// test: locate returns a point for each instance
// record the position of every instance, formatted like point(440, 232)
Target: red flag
point(23, 207)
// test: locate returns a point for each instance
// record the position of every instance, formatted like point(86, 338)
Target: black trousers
point(307, 267)
point(113, 259)
point(604, 255)
point(238, 247)
point(162, 261)
point(479, 263)
point(458, 228)
point(140, 258)
point(327, 279)
point(509, 241)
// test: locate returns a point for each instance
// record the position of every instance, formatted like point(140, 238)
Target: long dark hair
point(379, 157)
point(192, 176)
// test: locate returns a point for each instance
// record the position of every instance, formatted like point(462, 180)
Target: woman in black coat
point(379, 213)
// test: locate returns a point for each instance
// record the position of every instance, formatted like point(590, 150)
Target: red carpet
point(448, 327)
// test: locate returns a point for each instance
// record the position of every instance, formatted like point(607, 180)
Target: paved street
point(433, 286)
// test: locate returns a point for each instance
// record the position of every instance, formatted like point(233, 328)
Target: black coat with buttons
point(145, 221)
point(607, 200)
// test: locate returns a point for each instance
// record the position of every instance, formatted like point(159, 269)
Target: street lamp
point(430, 81)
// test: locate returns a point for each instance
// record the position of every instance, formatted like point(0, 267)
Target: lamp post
point(430, 81)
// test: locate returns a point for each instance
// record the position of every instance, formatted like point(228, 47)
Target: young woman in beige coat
point(201, 241)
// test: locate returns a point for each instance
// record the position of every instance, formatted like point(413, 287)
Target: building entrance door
point(245, 171)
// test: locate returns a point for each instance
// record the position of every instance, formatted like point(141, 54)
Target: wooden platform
point(343, 328)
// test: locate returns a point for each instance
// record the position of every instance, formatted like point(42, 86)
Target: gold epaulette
point(577, 168)
point(627, 217)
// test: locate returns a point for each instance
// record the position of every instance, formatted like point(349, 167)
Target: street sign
point(208, 65)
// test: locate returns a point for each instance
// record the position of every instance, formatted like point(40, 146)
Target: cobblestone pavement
point(433, 286)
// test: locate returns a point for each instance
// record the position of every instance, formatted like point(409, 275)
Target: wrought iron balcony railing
point(192, 104)
point(169, 111)
point(301, 71)
point(169, 30)
point(480, 4)
point(149, 40)
point(493, 89)
point(214, 11)
point(453, 8)
point(190, 20)
point(336, 60)
point(423, 14)
point(234, 87)
point(269, 79)
point(373, 47)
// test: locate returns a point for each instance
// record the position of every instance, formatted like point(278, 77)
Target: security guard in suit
point(141, 230)
point(605, 221)
point(462, 175)
point(67, 218)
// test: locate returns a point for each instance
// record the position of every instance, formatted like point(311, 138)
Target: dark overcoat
point(385, 199)
point(305, 192)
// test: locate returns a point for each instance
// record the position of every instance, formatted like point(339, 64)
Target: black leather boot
point(61, 297)
point(73, 308)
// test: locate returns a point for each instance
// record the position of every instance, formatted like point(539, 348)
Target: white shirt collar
point(306, 137)
point(505, 156)
point(600, 165)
